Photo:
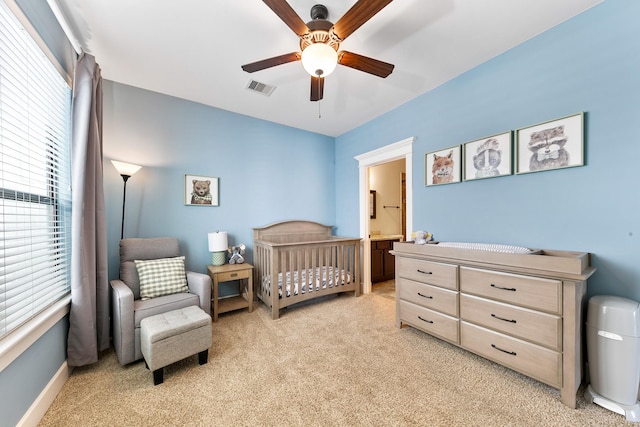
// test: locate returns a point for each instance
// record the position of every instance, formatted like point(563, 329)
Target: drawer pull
point(513, 353)
point(502, 318)
point(504, 289)
point(234, 275)
point(425, 320)
point(424, 272)
point(425, 296)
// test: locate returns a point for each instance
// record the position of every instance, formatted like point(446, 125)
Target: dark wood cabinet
point(383, 265)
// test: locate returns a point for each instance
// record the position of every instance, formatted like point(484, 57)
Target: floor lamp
point(126, 170)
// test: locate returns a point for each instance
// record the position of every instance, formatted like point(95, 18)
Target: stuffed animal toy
point(422, 237)
point(236, 254)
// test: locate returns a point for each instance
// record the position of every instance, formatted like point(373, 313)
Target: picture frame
point(442, 166)
point(200, 190)
point(487, 157)
point(372, 204)
point(555, 144)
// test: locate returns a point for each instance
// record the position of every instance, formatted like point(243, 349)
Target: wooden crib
point(305, 261)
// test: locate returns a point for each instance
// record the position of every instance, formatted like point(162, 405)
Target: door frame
point(400, 150)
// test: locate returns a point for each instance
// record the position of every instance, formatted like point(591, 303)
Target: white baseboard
point(39, 407)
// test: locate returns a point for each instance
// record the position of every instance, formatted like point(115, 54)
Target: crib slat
point(339, 276)
point(276, 264)
point(291, 270)
point(313, 265)
point(308, 272)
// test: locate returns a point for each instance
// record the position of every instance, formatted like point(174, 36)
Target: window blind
point(35, 181)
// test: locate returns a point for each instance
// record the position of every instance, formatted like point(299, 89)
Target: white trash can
point(613, 352)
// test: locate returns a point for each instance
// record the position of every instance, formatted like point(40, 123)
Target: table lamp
point(218, 247)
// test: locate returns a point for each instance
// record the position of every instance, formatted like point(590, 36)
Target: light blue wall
point(267, 172)
point(26, 377)
point(590, 63)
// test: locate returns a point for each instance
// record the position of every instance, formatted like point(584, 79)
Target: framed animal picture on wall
point(551, 145)
point(487, 157)
point(442, 166)
point(200, 190)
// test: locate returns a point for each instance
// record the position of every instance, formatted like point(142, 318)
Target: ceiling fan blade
point(359, 13)
point(288, 16)
point(272, 62)
point(317, 88)
point(364, 63)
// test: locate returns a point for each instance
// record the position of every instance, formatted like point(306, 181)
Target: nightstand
point(227, 273)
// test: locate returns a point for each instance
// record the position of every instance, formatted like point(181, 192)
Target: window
point(35, 181)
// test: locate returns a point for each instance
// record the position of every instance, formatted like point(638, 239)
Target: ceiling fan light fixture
point(319, 59)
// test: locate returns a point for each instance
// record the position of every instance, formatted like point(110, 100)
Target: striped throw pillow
point(163, 276)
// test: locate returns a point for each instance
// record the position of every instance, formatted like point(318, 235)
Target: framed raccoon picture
point(487, 157)
point(555, 144)
point(442, 166)
point(200, 190)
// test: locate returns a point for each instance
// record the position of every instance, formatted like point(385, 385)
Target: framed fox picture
point(442, 166)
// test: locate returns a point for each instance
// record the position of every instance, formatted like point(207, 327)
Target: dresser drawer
point(428, 296)
point(540, 328)
point(526, 291)
point(430, 321)
point(530, 359)
point(432, 273)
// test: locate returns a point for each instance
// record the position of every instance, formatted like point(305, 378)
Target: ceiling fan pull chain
point(319, 113)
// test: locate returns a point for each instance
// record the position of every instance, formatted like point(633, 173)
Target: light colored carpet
point(341, 361)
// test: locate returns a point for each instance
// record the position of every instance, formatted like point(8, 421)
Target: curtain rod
point(57, 12)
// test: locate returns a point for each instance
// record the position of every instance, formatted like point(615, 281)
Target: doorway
point(399, 150)
point(386, 224)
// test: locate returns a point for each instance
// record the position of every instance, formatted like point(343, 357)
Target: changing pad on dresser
point(490, 247)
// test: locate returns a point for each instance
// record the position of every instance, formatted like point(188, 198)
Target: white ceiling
point(193, 49)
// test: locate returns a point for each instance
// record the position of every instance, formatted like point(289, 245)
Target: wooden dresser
point(523, 311)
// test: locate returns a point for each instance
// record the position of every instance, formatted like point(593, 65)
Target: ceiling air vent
point(262, 88)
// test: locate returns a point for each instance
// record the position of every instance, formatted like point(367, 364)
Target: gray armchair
point(129, 309)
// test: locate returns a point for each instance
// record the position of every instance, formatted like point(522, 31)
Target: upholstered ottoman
point(172, 336)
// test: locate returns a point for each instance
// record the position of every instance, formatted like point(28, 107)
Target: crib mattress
point(324, 277)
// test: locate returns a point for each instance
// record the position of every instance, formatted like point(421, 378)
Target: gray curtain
point(89, 318)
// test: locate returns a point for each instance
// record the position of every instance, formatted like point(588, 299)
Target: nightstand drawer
point(233, 275)
point(526, 291)
point(432, 273)
point(535, 326)
point(430, 321)
point(530, 359)
point(428, 296)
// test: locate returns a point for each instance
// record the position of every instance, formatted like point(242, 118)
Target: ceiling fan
point(320, 40)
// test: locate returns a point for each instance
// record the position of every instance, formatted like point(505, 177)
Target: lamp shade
point(218, 241)
point(125, 168)
point(319, 59)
